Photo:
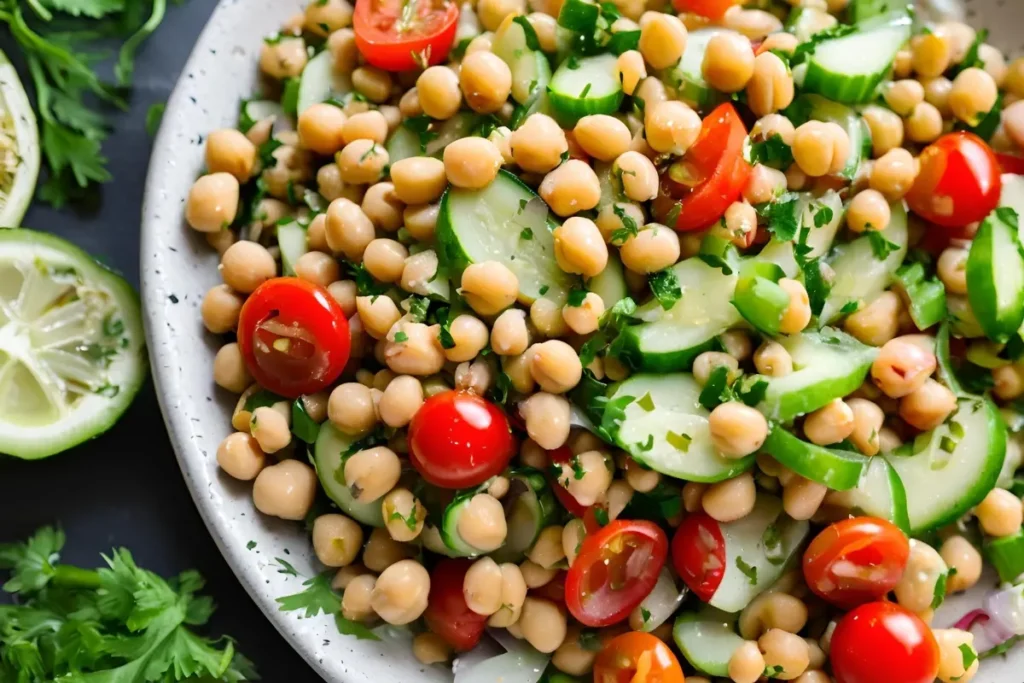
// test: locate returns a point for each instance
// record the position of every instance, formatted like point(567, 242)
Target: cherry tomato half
point(712, 9)
point(709, 177)
point(447, 614)
point(398, 35)
point(698, 554)
point(293, 336)
point(856, 561)
point(1010, 163)
point(458, 439)
point(959, 181)
point(616, 568)
point(881, 642)
point(637, 656)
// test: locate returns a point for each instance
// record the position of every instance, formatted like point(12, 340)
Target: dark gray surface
point(124, 488)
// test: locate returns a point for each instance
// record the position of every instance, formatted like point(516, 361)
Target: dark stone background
point(124, 488)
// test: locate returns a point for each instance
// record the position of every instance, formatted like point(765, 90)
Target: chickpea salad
point(655, 341)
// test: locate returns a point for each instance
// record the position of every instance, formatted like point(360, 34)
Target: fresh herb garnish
point(773, 152)
point(748, 571)
point(678, 441)
point(880, 246)
point(665, 286)
point(318, 597)
point(781, 216)
point(401, 337)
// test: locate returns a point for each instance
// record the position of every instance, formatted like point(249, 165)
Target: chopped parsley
point(880, 246)
point(577, 296)
point(250, 545)
point(681, 442)
point(781, 216)
point(646, 402)
point(645, 613)
point(646, 445)
point(589, 640)
point(629, 226)
point(773, 152)
point(526, 234)
point(601, 515)
point(748, 571)
point(665, 286)
point(401, 337)
point(968, 656)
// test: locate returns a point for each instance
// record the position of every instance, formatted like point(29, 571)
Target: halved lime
point(19, 147)
point(72, 352)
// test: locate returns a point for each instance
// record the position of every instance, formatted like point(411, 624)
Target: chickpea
point(367, 125)
point(401, 400)
point(936, 93)
point(584, 319)
point(1009, 382)
point(1013, 123)
point(730, 500)
point(420, 352)
point(630, 70)
point(547, 419)
point(638, 176)
point(1000, 513)
point(886, 129)
point(894, 173)
point(867, 424)
point(229, 151)
point(543, 624)
point(608, 219)
point(212, 202)
point(400, 594)
point(489, 287)
point(270, 429)
point(709, 361)
point(337, 540)
point(878, 322)
point(518, 370)
point(482, 523)
point(381, 551)
point(362, 161)
point(798, 313)
point(927, 406)
point(670, 127)
point(555, 366)
point(602, 137)
point(347, 228)
point(385, 259)
point(973, 95)
point(513, 595)
point(924, 124)
point(317, 267)
point(547, 549)
point(378, 314)
point(579, 246)
point(546, 27)
point(771, 125)
point(373, 83)
point(470, 337)
point(371, 473)
point(430, 648)
point(486, 81)
point(930, 54)
point(573, 534)
point(418, 272)
point(738, 225)
point(753, 23)
point(830, 424)
point(477, 377)
point(772, 610)
point(350, 409)
point(538, 144)
point(509, 334)
point(493, 13)
point(903, 95)
point(801, 497)
point(573, 659)
point(951, 642)
point(221, 240)
point(772, 359)
point(737, 430)
point(324, 16)
point(958, 553)
point(345, 575)
point(868, 210)
point(418, 180)
point(481, 587)
point(240, 456)
point(764, 184)
point(220, 309)
point(654, 248)
point(597, 470)
point(786, 651)
point(355, 602)
point(472, 162)
point(770, 88)
point(571, 188)
point(284, 59)
point(404, 515)
point(902, 367)
point(247, 265)
point(344, 292)
point(285, 490)
point(916, 588)
point(321, 128)
point(662, 39)
point(821, 148)
point(746, 663)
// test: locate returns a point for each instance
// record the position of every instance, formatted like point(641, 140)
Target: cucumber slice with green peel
point(291, 239)
point(759, 298)
point(863, 10)
point(328, 450)
point(504, 222)
point(686, 78)
point(467, 28)
point(927, 296)
point(817, 108)
point(19, 147)
point(579, 16)
point(666, 429)
point(1012, 196)
point(826, 365)
point(879, 493)
point(449, 528)
point(835, 468)
point(405, 142)
point(431, 539)
point(610, 283)
point(584, 86)
point(529, 507)
point(319, 82)
point(707, 638)
point(531, 72)
point(962, 320)
point(668, 341)
point(804, 22)
point(950, 469)
point(860, 276)
point(1006, 555)
point(72, 349)
point(251, 112)
point(818, 239)
point(850, 68)
point(995, 275)
point(758, 549)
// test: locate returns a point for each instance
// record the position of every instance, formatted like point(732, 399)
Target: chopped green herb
point(646, 402)
point(577, 296)
point(401, 337)
point(880, 246)
point(939, 592)
point(629, 226)
point(681, 442)
point(543, 290)
point(665, 286)
point(968, 655)
point(773, 152)
point(421, 126)
point(578, 471)
point(781, 216)
point(250, 545)
point(645, 613)
point(526, 234)
point(947, 444)
point(419, 307)
point(590, 640)
point(646, 445)
point(601, 515)
point(303, 426)
point(286, 568)
point(748, 571)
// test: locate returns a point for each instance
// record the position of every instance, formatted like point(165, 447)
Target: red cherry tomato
point(710, 176)
point(856, 561)
point(698, 554)
point(625, 656)
point(1010, 163)
point(553, 590)
point(616, 568)
point(712, 9)
point(398, 35)
point(447, 614)
point(458, 439)
point(568, 501)
point(959, 182)
point(883, 643)
point(293, 336)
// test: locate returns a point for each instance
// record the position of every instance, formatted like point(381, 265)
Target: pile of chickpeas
point(377, 210)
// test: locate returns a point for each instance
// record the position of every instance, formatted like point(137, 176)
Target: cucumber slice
point(860, 276)
point(291, 238)
point(849, 69)
point(449, 529)
point(19, 147)
point(826, 365)
point(531, 72)
point(331, 443)
point(505, 222)
point(750, 567)
point(466, 29)
point(1012, 196)
point(610, 283)
point(835, 468)
point(818, 239)
point(707, 638)
point(584, 86)
point(759, 298)
point(995, 275)
point(1007, 556)
point(668, 341)
point(818, 108)
point(251, 112)
point(671, 437)
point(879, 493)
point(529, 507)
point(687, 76)
point(405, 142)
point(927, 296)
point(72, 353)
point(319, 82)
point(862, 10)
point(949, 470)
point(804, 22)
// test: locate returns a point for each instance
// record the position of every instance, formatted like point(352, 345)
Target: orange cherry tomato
point(883, 643)
point(856, 561)
point(959, 182)
point(398, 35)
point(637, 656)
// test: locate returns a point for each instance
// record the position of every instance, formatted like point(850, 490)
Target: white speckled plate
point(177, 269)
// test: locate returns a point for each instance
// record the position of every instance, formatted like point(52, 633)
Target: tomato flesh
point(447, 614)
point(881, 642)
point(856, 561)
point(637, 656)
point(1010, 163)
point(398, 35)
point(458, 439)
point(698, 554)
point(712, 9)
point(293, 336)
point(709, 177)
point(959, 181)
point(616, 568)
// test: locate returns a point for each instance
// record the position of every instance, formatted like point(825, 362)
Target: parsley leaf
point(154, 115)
point(665, 286)
point(781, 216)
point(577, 296)
point(589, 640)
point(681, 442)
point(601, 515)
point(646, 402)
point(939, 592)
point(967, 656)
point(645, 613)
point(401, 337)
point(629, 226)
point(748, 571)
point(880, 246)
point(773, 152)
point(421, 126)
